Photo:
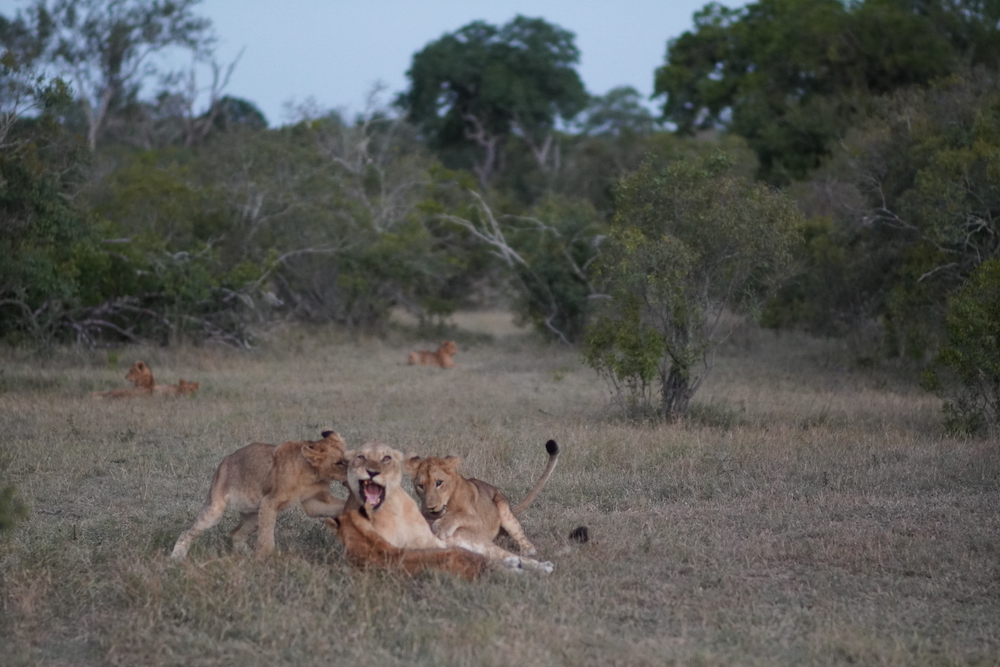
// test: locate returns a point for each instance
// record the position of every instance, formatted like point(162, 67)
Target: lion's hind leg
point(498, 555)
point(246, 527)
point(513, 527)
point(208, 517)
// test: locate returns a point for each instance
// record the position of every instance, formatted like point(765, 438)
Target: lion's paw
point(513, 563)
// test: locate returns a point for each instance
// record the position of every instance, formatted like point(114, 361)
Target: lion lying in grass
point(364, 547)
point(143, 384)
point(374, 479)
point(182, 388)
point(381, 525)
point(260, 480)
point(470, 511)
point(442, 357)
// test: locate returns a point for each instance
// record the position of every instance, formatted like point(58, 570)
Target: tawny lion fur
point(260, 480)
point(182, 388)
point(442, 357)
point(364, 547)
point(143, 384)
point(471, 511)
point(382, 526)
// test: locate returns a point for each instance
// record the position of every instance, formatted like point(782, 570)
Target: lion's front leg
point(266, 517)
point(323, 504)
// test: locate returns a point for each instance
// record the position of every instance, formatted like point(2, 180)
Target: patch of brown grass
point(807, 513)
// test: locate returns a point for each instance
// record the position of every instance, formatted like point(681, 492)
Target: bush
point(972, 353)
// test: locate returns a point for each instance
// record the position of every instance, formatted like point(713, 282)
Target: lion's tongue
point(373, 494)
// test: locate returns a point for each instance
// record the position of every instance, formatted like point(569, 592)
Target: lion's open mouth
point(372, 493)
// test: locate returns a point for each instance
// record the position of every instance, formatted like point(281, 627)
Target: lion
point(260, 480)
point(374, 480)
point(142, 381)
point(470, 509)
point(182, 388)
point(364, 547)
point(442, 357)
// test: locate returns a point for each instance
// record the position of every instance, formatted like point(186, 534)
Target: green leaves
point(792, 75)
point(688, 242)
point(473, 88)
point(972, 353)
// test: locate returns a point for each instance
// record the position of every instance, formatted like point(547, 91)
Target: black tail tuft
point(552, 447)
point(579, 534)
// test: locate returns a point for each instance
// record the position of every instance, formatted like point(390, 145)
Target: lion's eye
point(386, 458)
point(438, 483)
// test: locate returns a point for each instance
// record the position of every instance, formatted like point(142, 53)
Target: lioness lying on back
point(470, 510)
point(260, 480)
point(382, 526)
point(442, 357)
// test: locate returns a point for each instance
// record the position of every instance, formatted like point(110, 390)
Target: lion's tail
point(552, 447)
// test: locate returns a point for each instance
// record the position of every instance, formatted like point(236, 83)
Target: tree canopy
point(792, 75)
point(477, 86)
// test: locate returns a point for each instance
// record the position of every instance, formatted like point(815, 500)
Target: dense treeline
point(131, 210)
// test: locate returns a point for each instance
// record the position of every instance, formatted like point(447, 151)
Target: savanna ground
point(807, 513)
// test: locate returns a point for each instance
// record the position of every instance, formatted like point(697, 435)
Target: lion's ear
point(330, 432)
point(333, 524)
point(411, 464)
point(452, 462)
point(315, 453)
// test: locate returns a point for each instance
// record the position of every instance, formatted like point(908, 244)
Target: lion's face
point(140, 375)
point(371, 470)
point(434, 481)
point(449, 347)
point(327, 456)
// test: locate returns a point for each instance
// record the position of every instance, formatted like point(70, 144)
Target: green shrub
point(972, 353)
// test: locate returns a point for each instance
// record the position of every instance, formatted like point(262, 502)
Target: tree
point(972, 354)
point(905, 210)
point(44, 234)
point(547, 255)
point(792, 75)
point(104, 47)
point(689, 244)
point(473, 89)
point(618, 112)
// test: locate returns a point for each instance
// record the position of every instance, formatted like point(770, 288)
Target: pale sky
point(335, 51)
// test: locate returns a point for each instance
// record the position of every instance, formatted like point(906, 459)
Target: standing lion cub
point(260, 480)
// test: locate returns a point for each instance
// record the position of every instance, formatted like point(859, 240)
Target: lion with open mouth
point(382, 525)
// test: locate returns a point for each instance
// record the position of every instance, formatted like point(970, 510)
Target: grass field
point(807, 513)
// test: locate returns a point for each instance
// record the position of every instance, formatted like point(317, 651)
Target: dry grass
point(806, 514)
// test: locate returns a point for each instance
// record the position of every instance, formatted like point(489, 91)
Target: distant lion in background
point(143, 383)
point(182, 388)
point(441, 358)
